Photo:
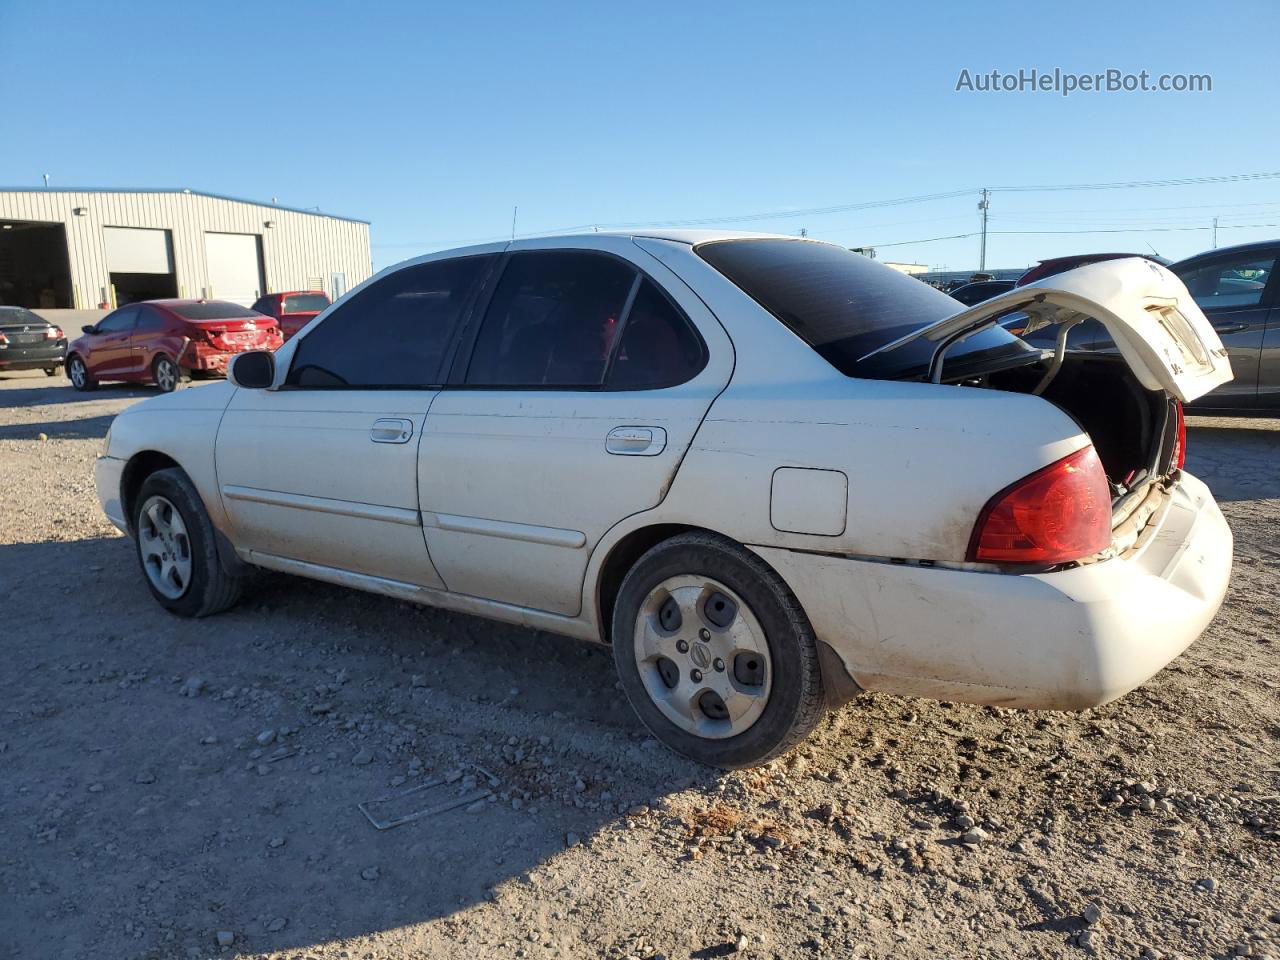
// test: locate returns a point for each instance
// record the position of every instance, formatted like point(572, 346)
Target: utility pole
point(1215, 233)
point(984, 205)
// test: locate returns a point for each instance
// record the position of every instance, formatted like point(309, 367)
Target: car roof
point(1258, 246)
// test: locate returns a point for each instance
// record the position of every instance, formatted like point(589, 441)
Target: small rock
point(225, 938)
point(743, 942)
point(363, 757)
point(964, 821)
point(276, 842)
point(1208, 884)
point(95, 788)
point(266, 738)
point(1085, 938)
point(973, 836)
point(369, 873)
point(192, 687)
point(276, 925)
point(145, 777)
point(1092, 913)
point(571, 840)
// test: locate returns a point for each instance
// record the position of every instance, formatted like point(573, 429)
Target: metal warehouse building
point(85, 249)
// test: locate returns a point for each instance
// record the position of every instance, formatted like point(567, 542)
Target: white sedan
point(768, 471)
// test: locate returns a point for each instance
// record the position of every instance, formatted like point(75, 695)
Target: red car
point(159, 341)
point(292, 310)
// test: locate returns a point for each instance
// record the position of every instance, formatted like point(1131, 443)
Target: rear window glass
point(844, 305)
point(211, 310)
point(306, 303)
point(18, 315)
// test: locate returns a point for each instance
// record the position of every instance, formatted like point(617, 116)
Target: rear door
point(1232, 290)
point(323, 470)
point(573, 400)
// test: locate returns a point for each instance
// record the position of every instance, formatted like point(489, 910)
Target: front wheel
point(79, 376)
point(165, 373)
point(715, 653)
point(177, 550)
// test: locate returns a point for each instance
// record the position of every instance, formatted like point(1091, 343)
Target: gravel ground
point(189, 789)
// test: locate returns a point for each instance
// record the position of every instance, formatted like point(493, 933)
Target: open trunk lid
point(1156, 325)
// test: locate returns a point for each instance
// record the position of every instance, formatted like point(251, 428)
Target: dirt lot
point(180, 789)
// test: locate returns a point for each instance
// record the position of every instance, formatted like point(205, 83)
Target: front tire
point(715, 653)
point(79, 375)
point(177, 550)
point(165, 373)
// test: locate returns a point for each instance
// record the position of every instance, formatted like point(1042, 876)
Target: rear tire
point(79, 375)
point(165, 373)
point(50, 371)
point(765, 705)
point(178, 555)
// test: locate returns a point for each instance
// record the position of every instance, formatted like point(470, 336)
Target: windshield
point(845, 305)
point(305, 303)
point(212, 310)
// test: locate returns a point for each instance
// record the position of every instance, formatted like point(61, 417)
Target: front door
point(1232, 290)
point(573, 400)
point(323, 469)
point(111, 344)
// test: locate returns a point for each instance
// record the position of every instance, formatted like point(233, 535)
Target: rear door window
point(552, 321)
point(392, 334)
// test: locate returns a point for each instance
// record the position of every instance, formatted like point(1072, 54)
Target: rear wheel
point(715, 653)
point(177, 550)
point(79, 376)
point(165, 373)
point(50, 371)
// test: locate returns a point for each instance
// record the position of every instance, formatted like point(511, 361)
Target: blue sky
point(432, 121)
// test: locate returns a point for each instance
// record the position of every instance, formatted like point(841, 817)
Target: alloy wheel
point(164, 547)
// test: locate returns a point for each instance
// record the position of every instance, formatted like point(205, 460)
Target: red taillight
point(1059, 513)
point(3, 339)
point(1179, 458)
point(53, 333)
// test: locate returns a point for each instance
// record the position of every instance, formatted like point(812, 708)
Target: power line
point(977, 233)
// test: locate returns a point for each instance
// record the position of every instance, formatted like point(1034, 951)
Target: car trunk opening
point(871, 322)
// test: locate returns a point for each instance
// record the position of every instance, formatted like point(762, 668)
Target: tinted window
point(551, 321)
point(211, 310)
point(845, 305)
point(1229, 283)
point(658, 347)
point(119, 321)
point(305, 303)
point(18, 315)
point(150, 319)
point(262, 306)
point(394, 333)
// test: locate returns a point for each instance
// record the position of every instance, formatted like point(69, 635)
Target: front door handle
point(1231, 327)
point(391, 430)
point(636, 441)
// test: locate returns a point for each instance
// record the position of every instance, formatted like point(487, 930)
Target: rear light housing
point(54, 333)
point(1179, 458)
point(1058, 514)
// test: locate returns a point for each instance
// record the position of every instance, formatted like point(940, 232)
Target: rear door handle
point(636, 441)
point(391, 430)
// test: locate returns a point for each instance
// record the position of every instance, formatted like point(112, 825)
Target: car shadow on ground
point(59, 390)
point(82, 428)
point(123, 796)
point(1238, 459)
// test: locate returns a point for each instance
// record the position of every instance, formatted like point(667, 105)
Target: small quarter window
point(658, 347)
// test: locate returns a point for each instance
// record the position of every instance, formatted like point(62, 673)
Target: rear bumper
point(1062, 641)
point(33, 358)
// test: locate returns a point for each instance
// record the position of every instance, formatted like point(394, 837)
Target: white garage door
point(136, 250)
point(235, 268)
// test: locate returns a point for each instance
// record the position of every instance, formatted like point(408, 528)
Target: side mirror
point(255, 370)
point(89, 329)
